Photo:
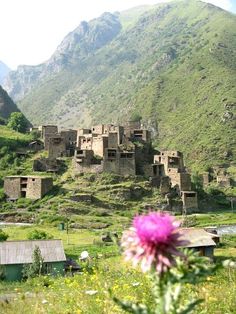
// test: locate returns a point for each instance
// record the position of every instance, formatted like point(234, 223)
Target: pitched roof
point(20, 252)
point(197, 237)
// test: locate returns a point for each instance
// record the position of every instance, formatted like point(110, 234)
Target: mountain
point(174, 64)
point(7, 106)
point(4, 70)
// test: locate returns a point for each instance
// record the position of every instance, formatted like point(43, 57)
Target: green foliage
point(135, 117)
point(3, 235)
point(17, 122)
point(168, 287)
point(37, 268)
point(2, 121)
point(39, 235)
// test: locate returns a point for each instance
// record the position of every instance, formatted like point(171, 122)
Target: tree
point(17, 122)
point(3, 235)
point(135, 117)
point(37, 267)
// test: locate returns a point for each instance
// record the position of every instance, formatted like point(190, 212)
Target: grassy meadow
point(87, 292)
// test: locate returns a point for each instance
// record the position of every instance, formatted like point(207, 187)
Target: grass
point(71, 294)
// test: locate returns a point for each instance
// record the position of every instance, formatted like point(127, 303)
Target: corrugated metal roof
point(20, 252)
point(197, 237)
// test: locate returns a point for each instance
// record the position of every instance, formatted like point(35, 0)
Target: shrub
point(39, 235)
point(3, 235)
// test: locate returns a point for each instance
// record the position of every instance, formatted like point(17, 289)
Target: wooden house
point(15, 254)
point(200, 240)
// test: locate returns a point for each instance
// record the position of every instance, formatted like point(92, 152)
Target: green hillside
point(7, 106)
point(175, 65)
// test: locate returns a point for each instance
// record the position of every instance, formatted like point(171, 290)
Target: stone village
point(123, 150)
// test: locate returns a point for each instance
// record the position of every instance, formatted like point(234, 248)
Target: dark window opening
point(138, 132)
point(190, 195)
point(23, 193)
point(126, 155)
point(111, 154)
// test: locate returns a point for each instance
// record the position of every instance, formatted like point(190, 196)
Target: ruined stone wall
point(224, 180)
point(47, 185)
point(37, 187)
point(45, 164)
point(85, 142)
point(56, 147)
point(85, 168)
point(130, 127)
point(47, 132)
point(113, 140)
point(111, 165)
point(98, 129)
point(190, 201)
point(127, 166)
point(36, 146)
point(182, 181)
point(141, 135)
point(12, 187)
point(99, 144)
point(70, 137)
point(165, 185)
point(170, 159)
point(33, 190)
point(83, 156)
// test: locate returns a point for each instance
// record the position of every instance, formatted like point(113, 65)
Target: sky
point(30, 30)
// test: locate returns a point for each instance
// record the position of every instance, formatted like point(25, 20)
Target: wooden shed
point(15, 254)
point(200, 240)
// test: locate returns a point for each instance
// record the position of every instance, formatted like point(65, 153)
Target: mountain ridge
point(7, 105)
point(174, 65)
point(4, 70)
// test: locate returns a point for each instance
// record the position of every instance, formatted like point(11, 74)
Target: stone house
point(119, 161)
point(85, 162)
point(32, 187)
point(15, 254)
point(189, 200)
point(130, 126)
point(134, 131)
point(70, 137)
point(101, 149)
point(171, 164)
point(47, 131)
point(56, 146)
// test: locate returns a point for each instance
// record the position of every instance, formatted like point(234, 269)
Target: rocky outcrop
point(80, 43)
point(7, 106)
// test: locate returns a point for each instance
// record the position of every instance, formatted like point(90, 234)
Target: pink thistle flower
point(153, 241)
